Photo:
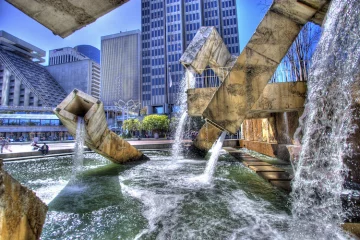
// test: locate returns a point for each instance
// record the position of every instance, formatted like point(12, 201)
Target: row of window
point(159, 14)
point(146, 88)
point(174, 57)
point(173, 18)
point(176, 67)
point(157, 33)
point(231, 40)
point(174, 37)
point(229, 21)
point(212, 22)
point(228, 3)
point(174, 47)
point(192, 17)
point(211, 4)
point(192, 7)
point(172, 1)
point(158, 91)
point(192, 26)
point(29, 122)
point(146, 79)
point(157, 81)
point(157, 52)
point(175, 8)
point(212, 13)
point(173, 27)
point(158, 23)
point(228, 31)
point(227, 13)
point(158, 61)
point(157, 42)
point(156, 5)
point(157, 71)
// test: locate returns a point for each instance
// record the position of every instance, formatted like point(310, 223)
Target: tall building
point(168, 27)
point(73, 69)
point(91, 52)
point(28, 92)
point(120, 67)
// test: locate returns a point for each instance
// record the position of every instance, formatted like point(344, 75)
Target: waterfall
point(211, 164)
point(79, 146)
point(176, 148)
point(327, 123)
point(188, 81)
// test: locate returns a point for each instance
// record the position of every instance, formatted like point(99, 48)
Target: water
point(188, 81)
point(177, 147)
point(79, 145)
point(318, 183)
point(154, 199)
point(211, 164)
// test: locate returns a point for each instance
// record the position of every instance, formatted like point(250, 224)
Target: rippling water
point(156, 199)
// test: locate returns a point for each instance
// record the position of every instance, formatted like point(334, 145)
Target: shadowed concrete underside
point(97, 135)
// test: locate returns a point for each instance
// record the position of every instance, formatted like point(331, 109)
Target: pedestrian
point(44, 149)
point(2, 144)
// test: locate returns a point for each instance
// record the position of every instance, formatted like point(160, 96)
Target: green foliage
point(156, 123)
point(132, 125)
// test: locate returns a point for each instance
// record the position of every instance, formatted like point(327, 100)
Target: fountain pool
point(154, 199)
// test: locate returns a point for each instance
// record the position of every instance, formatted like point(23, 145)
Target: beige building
point(120, 67)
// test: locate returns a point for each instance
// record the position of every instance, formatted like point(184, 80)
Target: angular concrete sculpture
point(66, 16)
point(97, 135)
point(248, 76)
point(22, 213)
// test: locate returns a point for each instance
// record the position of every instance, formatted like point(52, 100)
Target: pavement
point(22, 151)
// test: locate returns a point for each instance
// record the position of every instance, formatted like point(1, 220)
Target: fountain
point(187, 81)
point(150, 200)
point(329, 123)
point(79, 145)
point(211, 164)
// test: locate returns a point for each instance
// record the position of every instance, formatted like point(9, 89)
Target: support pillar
point(26, 97)
point(36, 101)
point(17, 92)
point(5, 88)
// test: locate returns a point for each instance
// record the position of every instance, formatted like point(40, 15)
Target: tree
point(296, 64)
point(157, 123)
point(132, 125)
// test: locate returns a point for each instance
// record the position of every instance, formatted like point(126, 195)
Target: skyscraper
point(168, 26)
point(73, 69)
point(120, 67)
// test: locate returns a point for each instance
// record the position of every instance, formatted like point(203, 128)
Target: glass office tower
point(168, 27)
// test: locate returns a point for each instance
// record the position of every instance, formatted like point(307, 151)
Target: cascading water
point(208, 175)
point(176, 148)
point(318, 182)
point(187, 82)
point(79, 145)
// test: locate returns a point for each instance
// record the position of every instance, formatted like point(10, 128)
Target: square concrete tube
point(253, 163)
point(275, 176)
point(266, 169)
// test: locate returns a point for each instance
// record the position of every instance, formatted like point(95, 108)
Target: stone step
point(275, 176)
point(266, 169)
point(284, 185)
point(255, 163)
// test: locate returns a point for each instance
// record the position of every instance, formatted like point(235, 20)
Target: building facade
point(83, 75)
point(168, 26)
point(120, 67)
point(26, 87)
point(91, 52)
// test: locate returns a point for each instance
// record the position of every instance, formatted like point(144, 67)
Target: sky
point(125, 18)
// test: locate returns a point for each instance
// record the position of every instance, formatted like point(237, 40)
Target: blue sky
point(125, 18)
